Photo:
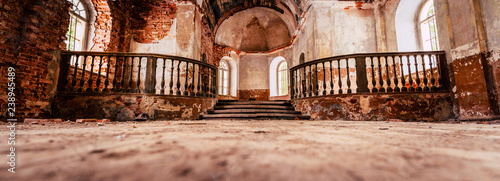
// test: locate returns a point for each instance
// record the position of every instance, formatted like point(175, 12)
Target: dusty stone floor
point(254, 150)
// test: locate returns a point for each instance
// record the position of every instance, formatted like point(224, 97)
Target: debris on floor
point(142, 117)
point(192, 123)
point(120, 136)
point(92, 120)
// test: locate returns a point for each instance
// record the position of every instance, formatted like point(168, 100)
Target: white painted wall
point(406, 25)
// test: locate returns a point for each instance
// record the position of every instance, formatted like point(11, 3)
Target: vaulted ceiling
point(255, 30)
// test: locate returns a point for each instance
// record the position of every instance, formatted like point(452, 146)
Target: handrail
point(366, 55)
point(104, 72)
point(136, 55)
point(371, 73)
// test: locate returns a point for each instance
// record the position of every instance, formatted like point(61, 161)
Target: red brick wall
point(153, 20)
point(103, 25)
point(112, 26)
point(207, 40)
point(30, 32)
point(33, 32)
point(219, 52)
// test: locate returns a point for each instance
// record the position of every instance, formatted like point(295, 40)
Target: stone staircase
point(255, 110)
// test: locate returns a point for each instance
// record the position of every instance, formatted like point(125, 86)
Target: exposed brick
point(29, 42)
point(153, 20)
point(92, 120)
point(219, 52)
point(42, 120)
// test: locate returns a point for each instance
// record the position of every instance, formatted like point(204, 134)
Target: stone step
point(232, 111)
point(259, 118)
point(255, 116)
point(281, 107)
point(254, 103)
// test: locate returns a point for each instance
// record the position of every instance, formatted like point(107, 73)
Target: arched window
point(76, 37)
point(282, 78)
point(223, 78)
point(428, 27)
point(301, 59)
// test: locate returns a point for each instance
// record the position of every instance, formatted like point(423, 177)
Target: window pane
point(428, 27)
point(223, 78)
point(282, 78)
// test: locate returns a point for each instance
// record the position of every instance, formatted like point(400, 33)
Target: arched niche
point(406, 22)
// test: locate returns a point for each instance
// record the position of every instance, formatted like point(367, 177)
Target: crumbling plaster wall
point(126, 107)
point(304, 38)
point(407, 107)
point(474, 78)
point(331, 28)
point(253, 81)
point(357, 31)
point(180, 36)
point(490, 13)
point(465, 28)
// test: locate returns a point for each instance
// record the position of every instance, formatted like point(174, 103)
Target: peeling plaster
point(410, 107)
point(495, 55)
point(108, 106)
point(466, 50)
point(167, 45)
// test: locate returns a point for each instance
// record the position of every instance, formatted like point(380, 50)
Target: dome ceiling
point(255, 30)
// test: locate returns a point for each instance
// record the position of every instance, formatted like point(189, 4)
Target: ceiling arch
point(256, 30)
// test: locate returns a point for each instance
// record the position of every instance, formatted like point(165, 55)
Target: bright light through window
point(77, 27)
point(282, 79)
point(428, 27)
point(223, 78)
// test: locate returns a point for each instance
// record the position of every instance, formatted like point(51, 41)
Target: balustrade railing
point(371, 73)
point(99, 72)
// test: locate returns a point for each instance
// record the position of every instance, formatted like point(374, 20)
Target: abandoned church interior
point(254, 64)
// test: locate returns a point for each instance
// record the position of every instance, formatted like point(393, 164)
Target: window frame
point(222, 71)
point(280, 80)
point(74, 16)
